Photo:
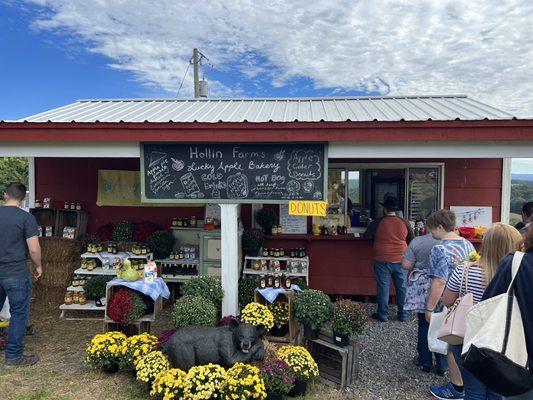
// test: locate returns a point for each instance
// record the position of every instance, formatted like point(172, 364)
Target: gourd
point(127, 272)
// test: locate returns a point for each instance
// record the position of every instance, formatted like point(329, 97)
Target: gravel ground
point(387, 371)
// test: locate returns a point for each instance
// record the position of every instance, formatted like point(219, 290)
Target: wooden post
point(230, 259)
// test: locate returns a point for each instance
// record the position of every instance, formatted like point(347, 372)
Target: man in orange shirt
point(391, 235)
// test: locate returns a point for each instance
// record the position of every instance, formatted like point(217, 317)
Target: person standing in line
point(524, 295)
point(500, 240)
point(391, 236)
point(18, 239)
point(452, 251)
point(416, 260)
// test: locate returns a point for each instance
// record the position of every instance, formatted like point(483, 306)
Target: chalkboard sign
point(232, 173)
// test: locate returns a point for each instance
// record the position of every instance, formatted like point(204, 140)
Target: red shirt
point(391, 236)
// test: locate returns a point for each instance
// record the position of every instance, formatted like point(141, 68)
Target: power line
point(183, 80)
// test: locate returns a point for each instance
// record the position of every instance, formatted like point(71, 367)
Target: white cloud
point(481, 48)
point(522, 166)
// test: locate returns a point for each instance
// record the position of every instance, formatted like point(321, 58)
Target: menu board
point(291, 224)
point(232, 173)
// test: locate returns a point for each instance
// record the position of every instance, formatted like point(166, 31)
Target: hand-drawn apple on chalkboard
point(280, 155)
point(177, 165)
point(237, 186)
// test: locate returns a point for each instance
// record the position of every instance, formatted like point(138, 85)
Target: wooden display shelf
point(249, 271)
point(294, 328)
point(181, 261)
point(177, 278)
point(89, 307)
point(96, 271)
point(75, 289)
point(278, 258)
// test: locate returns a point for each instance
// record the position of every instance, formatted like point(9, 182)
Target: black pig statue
point(201, 345)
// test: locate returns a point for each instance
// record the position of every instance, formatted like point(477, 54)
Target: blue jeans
point(18, 291)
point(474, 389)
point(425, 357)
point(525, 396)
point(383, 272)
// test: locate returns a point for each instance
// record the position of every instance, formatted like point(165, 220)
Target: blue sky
point(56, 51)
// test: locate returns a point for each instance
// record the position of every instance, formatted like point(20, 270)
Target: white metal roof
point(328, 109)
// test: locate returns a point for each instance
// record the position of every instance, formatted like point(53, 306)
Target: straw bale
point(59, 249)
point(58, 274)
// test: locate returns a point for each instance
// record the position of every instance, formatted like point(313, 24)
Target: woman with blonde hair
point(499, 240)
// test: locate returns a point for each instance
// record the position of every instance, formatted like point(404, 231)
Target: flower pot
point(274, 396)
point(299, 388)
point(279, 332)
point(111, 369)
point(310, 333)
point(340, 340)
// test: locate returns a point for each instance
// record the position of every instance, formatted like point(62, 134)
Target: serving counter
point(339, 265)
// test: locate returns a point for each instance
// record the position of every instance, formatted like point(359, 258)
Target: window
point(424, 192)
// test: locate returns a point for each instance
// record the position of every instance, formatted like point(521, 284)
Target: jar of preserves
point(287, 283)
point(174, 221)
point(193, 221)
point(262, 282)
point(66, 206)
point(143, 250)
point(72, 206)
point(180, 222)
point(276, 252)
point(265, 252)
point(282, 252)
point(110, 248)
point(270, 281)
point(38, 204)
point(78, 206)
point(115, 250)
point(172, 257)
point(277, 282)
point(271, 252)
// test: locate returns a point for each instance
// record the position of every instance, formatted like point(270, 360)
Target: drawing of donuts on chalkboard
point(190, 185)
point(308, 186)
point(304, 165)
point(293, 187)
point(237, 187)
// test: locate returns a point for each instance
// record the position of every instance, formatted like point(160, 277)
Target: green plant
point(96, 286)
point(280, 311)
point(266, 218)
point(193, 310)
point(277, 375)
point(247, 287)
point(312, 308)
point(349, 318)
point(161, 243)
point(252, 241)
point(125, 306)
point(209, 287)
point(123, 231)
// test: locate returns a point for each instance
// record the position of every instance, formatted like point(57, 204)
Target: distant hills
point(522, 177)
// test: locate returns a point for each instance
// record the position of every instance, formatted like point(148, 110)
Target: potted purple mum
point(278, 377)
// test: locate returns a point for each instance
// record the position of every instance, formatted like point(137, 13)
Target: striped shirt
point(476, 281)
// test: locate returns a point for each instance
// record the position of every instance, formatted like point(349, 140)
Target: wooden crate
point(338, 366)
point(74, 218)
point(136, 327)
point(294, 327)
point(45, 217)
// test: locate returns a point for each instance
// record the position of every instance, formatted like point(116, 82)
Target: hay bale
point(59, 250)
point(58, 274)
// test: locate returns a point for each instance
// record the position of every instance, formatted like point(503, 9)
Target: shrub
point(277, 375)
point(280, 311)
point(135, 347)
point(193, 310)
point(243, 382)
point(204, 382)
point(169, 384)
point(151, 365)
point(247, 287)
point(349, 318)
point(126, 306)
point(161, 243)
point(209, 287)
point(312, 308)
point(252, 241)
point(266, 218)
point(104, 349)
point(123, 231)
point(95, 287)
point(257, 315)
point(300, 361)
point(105, 232)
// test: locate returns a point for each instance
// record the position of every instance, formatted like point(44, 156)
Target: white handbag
point(494, 348)
point(4, 313)
point(436, 345)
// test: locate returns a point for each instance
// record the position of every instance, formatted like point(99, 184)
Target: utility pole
point(196, 64)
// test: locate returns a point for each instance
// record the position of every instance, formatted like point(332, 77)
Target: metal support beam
point(230, 258)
